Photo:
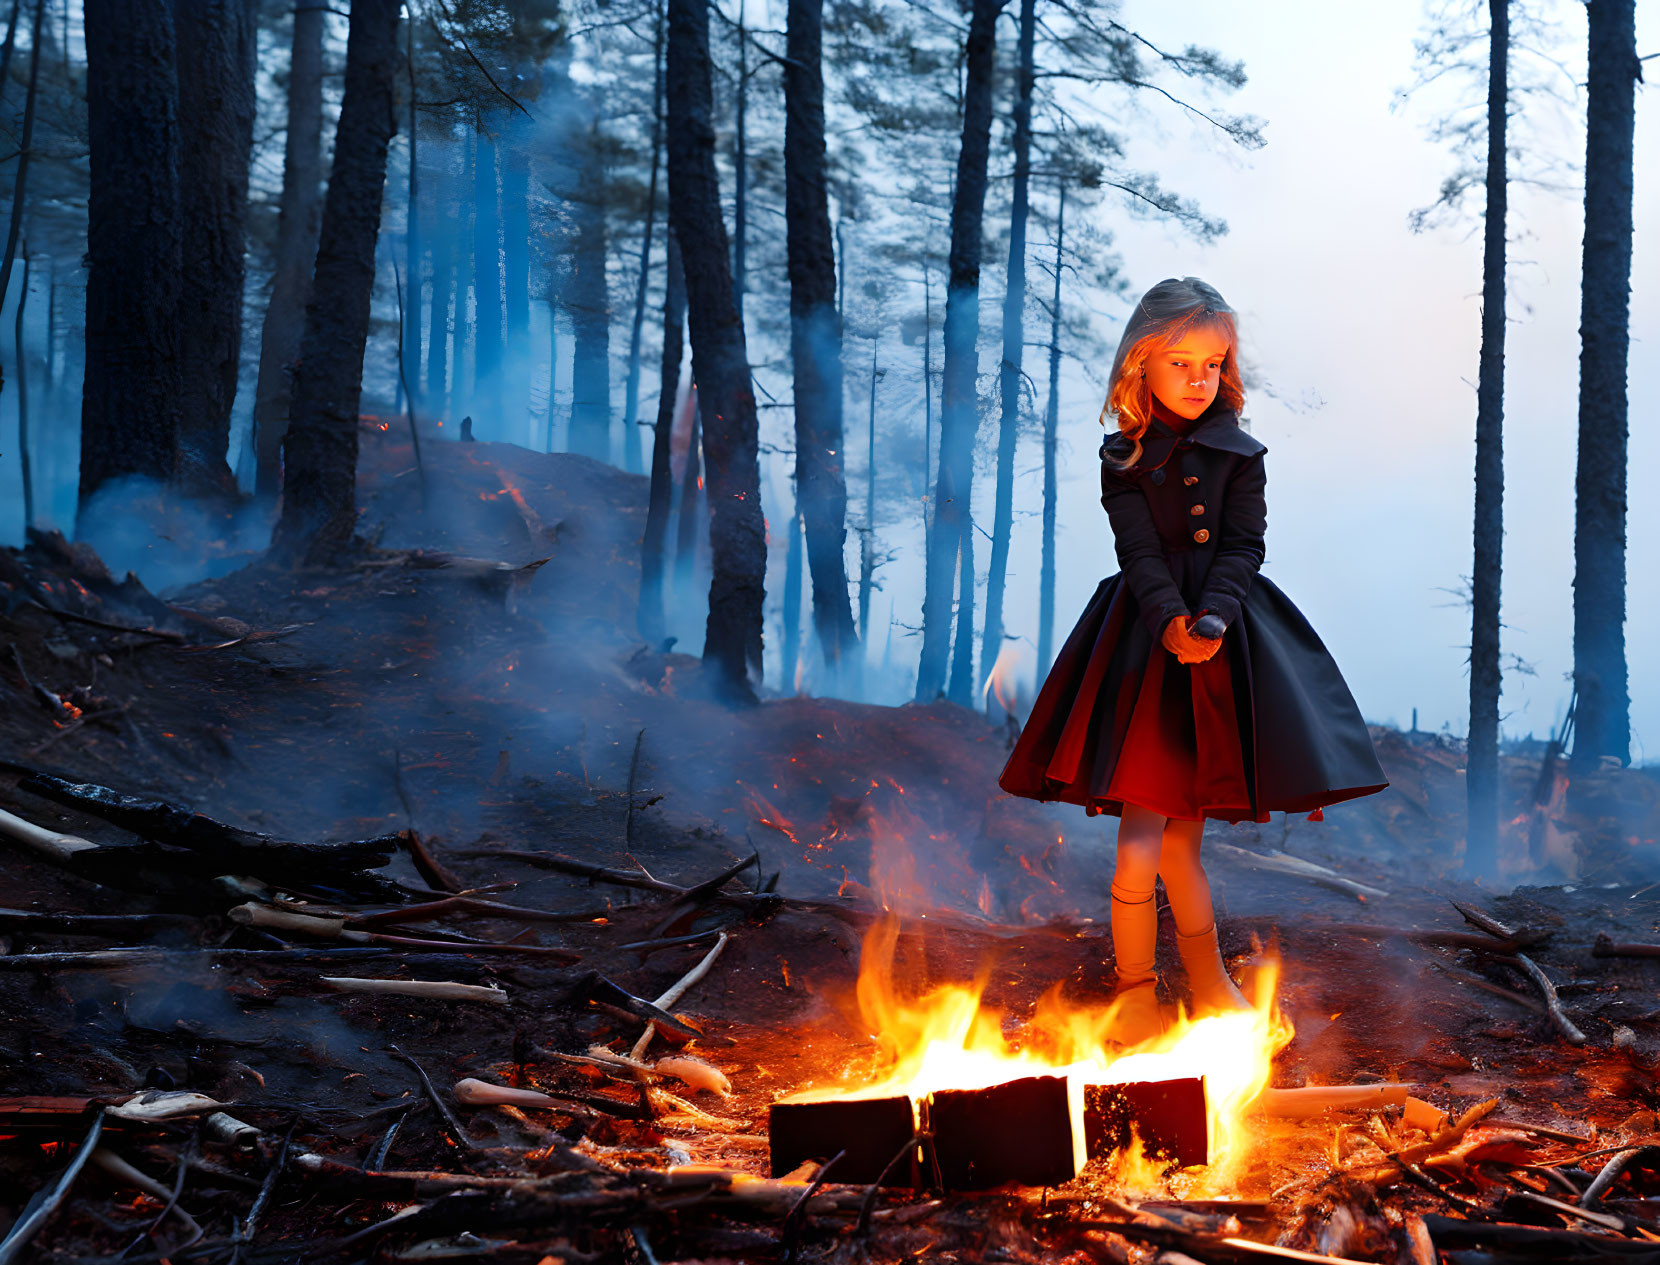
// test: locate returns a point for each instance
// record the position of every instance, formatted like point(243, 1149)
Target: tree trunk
point(589, 304)
point(740, 173)
point(1602, 724)
point(445, 227)
point(130, 401)
point(651, 621)
point(691, 493)
point(298, 218)
point(487, 297)
point(1486, 678)
point(961, 688)
point(319, 503)
point(215, 42)
point(1014, 341)
point(1051, 433)
point(867, 537)
point(720, 359)
point(515, 215)
point(23, 395)
point(815, 335)
point(631, 394)
point(958, 414)
point(411, 348)
point(11, 43)
point(792, 603)
point(20, 180)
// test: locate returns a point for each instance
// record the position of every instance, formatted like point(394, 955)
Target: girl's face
point(1184, 378)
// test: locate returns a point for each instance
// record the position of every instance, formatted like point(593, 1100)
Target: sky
point(1367, 337)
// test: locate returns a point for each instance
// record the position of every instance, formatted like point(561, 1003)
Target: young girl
point(1191, 688)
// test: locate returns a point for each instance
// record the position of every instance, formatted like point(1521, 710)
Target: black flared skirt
point(1266, 724)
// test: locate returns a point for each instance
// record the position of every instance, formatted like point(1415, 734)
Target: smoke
point(139, 525)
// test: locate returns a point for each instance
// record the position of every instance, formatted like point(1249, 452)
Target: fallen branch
point(60, 847)
point(254, 915)
point(437, 990)
point(1558, 1016)
point(1283, 863)
point(678, 991)
point(1310, 1100)
point(1605, 947)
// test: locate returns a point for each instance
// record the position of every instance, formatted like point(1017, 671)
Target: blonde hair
point(1165, 315)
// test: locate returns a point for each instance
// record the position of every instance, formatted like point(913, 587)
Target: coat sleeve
point(1140, 554)
point(1240, 551)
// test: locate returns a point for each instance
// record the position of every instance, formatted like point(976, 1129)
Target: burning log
point(1167, 1116)
point(867, 1131)
point(1029, 1131)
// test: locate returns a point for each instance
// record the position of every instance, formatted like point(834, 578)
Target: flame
point(945, 1037)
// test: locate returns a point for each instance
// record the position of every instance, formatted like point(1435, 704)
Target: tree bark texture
point(1051, 485)
point(692, 508)
point(653, 547)
point(299, 215)
point(815, 335)
point(1602, 724)
point(960, 689)
point(959, 405)
point(215, 41)
point(720, 360)
point(1014, 341)
point(1486, 678)
point(130, 401)
point(319, 509)
point(589, 305)
point(867, 536)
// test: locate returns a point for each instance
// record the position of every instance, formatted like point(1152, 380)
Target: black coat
point(1266, 724)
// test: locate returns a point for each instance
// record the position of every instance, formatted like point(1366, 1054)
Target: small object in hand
point(1208, 626)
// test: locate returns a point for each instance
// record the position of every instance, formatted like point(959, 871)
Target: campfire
point(981, 1104)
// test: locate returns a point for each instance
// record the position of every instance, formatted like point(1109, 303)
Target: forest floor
point(475, 682)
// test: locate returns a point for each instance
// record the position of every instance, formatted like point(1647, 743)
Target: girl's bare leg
point(1135, 922)
point(1190, 902)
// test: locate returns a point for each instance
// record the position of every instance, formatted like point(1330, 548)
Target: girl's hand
point(1179, 640)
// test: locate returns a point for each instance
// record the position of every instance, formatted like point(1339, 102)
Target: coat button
point(1196, 510)
point(1200, 536)
point(1157, 476)
point(1191, 480)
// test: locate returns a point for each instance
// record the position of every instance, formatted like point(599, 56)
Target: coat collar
point(1219, 429)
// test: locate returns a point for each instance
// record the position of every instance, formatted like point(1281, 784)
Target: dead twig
point(679, 990)
point(1558, 1016)
point(27, 1227)
point(438, 1104)
point(790, 1232)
